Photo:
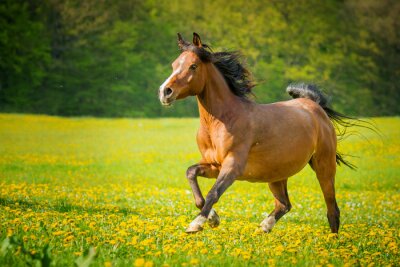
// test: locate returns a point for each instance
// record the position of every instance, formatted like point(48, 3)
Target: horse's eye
point(193, 67)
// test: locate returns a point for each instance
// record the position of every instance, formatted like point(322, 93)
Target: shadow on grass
point(63, 206)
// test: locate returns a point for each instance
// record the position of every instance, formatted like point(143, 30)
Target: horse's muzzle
point(166, 96)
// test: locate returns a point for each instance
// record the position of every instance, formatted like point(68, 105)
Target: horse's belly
point(260, 174)
point(271, 167)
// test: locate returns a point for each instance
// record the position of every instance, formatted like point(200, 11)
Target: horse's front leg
point(229, 171)
point(204, 170)
point(208, 171)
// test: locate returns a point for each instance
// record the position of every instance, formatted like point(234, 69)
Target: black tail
point(338, 119)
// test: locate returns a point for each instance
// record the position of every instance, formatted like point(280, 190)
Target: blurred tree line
point(108, 58)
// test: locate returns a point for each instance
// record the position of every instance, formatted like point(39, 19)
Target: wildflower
point(139, 262)
point(57, 233)
point(194, 261)
point(271, 262)
point(204, 251)
point(68, 238)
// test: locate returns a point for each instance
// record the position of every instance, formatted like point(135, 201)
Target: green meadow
point(113, 192)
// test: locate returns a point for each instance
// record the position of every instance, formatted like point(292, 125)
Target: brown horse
point(242, 140)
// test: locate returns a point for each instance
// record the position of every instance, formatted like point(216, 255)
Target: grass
point(113, 193)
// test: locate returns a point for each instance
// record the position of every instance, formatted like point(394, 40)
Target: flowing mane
point(231, 66)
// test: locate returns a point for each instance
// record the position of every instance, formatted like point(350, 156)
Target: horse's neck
point(216, 100)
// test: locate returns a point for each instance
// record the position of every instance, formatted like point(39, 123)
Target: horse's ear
point(181, 43)
point(196, 40)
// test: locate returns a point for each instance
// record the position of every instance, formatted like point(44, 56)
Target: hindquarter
point(285, 141)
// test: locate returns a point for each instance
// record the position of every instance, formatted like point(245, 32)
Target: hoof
point(267, 224)
point(266, 230)
point(193, 229)
point(213, 219)
point(196, 225)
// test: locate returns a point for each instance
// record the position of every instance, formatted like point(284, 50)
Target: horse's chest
point(214, 146)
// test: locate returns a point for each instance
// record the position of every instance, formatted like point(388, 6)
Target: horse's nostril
point(168, 92)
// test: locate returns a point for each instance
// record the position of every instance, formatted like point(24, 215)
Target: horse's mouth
point(167, 102)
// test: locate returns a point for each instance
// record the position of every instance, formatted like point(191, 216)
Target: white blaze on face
point(176, 72)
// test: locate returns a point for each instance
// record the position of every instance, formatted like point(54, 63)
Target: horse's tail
point(340, 121)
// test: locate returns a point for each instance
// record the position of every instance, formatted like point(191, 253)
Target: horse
point(240, 139)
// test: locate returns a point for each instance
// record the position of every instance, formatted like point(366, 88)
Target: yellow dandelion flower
point(139, 262)
point(271, 262)
point(69, 238)
point(204, 251)
point(194, 261)
point(158, 253)
point(9, 232)
point(200, 244)
point(246, 255)
point(57, 233)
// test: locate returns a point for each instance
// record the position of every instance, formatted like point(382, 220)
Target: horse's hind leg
point(325, 168)
point(282, 204)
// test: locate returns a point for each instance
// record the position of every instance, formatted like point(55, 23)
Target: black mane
point(231, 66)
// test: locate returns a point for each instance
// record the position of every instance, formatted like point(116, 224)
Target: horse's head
point(188, 71)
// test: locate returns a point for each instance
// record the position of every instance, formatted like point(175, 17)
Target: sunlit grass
point(118, 186)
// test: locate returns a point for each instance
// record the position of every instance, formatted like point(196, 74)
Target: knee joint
point(283, 207)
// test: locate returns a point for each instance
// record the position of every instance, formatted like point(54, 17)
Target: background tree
point(107, 58)
point(24, 54)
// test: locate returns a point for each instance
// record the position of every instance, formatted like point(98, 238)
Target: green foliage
point(105, 58)
point(13, 245)
point(24, 54)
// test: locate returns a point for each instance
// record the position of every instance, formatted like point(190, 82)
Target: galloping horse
point(242, 140)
